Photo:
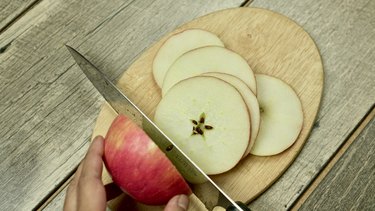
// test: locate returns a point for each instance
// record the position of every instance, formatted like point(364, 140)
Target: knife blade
point(204, 188)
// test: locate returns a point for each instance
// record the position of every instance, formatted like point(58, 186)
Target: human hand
point(87, 191)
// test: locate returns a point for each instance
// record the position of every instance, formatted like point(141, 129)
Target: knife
point(204, 188)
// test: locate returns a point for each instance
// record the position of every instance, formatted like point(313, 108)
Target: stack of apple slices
point(215, 108)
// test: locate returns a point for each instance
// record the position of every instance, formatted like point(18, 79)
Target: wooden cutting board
point(272, 44)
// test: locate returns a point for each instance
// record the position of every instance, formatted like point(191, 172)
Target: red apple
point(138, 166)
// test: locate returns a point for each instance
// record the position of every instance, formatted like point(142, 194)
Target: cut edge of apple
point(209, 59)
point(281, 116)
point(178, 44)
point(250, 100)
point(224, 145)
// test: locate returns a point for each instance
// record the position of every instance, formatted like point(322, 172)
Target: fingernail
point(183, 202)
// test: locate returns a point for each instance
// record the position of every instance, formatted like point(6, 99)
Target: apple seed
point(194, 122)
point(199, 130)
point(200, 127)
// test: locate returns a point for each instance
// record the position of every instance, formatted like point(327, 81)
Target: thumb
point(178, 203)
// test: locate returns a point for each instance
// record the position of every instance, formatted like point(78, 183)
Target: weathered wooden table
point(48, 109)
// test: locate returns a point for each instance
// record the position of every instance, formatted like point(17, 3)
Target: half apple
point(138, 166)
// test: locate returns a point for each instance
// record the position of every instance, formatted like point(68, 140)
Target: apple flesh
point(250, 100)
point(208, 120)
point(208, 59)
point(178, 44)
point(138, 166)
point(281, 116)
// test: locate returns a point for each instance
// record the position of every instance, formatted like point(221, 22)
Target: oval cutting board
point(272, 44)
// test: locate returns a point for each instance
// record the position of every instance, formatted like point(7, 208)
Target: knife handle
point(240, 204)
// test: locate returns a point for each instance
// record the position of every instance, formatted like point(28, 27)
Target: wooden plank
point(48, 107)
point(351, 182)
point(344, 33)
point(317, 182)
point(10, 10)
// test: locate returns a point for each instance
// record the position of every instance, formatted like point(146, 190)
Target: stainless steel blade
point(204, 188)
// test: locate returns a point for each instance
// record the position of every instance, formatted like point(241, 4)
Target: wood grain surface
point(344, 33)
point(271, 44)
point(351, 182)
point(48, 110)
point(10, 10)
point(47, 106)
point(327, 169)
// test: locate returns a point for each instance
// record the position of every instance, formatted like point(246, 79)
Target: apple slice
point(178, 44)
point(250, 100)
point(281, 116)
point(208, 119)
point(138, 166)
point(209, 59)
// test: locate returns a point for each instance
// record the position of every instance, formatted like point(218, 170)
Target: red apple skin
point(138, 166)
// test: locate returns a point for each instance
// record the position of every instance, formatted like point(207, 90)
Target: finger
point(112, 191)
point(177, 203)
point(70, 202)
point(77, 175)
point(91, 192)
point(93, 162)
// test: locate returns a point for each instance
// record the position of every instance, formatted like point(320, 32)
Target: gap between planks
point(49, 198)
point(342, 149)
point(246, 3)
